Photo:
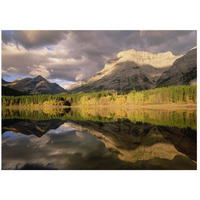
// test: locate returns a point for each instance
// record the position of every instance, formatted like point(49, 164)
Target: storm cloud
point(33, 39)
point(78, 55)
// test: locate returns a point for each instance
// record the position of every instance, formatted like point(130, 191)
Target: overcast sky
point(68, 56)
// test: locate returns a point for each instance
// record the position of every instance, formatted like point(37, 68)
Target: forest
point(182, 94)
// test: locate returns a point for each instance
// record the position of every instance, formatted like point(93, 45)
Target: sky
point(66, 57)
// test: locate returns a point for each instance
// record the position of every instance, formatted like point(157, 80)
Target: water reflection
point(99, 139)
point(29, 127)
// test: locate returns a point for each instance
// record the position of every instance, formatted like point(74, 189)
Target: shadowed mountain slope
point(182, 72)
point(139, 70)
point(131, 70)
point(37, 85)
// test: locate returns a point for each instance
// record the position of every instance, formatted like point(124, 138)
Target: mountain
point(131, 70)
point(182, 72)
point(37, 85)
point(4, 82)
point(6, 91)
point(17, 79)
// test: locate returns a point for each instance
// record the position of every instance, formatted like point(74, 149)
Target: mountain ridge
point(36, 85)
point(130, 70)
point(182, 72)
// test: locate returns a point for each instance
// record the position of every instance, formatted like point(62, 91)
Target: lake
point(99, 139)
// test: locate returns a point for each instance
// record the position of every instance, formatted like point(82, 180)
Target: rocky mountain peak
point(39, 78)
point(37, 85)
point(140, 70)
point(142, 58)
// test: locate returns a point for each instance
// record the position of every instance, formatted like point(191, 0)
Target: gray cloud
point(81, 54)
point(33, 39)
point(5, 75)
point(158, 41)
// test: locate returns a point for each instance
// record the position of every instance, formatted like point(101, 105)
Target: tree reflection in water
point(99, 139)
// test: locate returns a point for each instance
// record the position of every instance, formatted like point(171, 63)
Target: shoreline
point(141, 106)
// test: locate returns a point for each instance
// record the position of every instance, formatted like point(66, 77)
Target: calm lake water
point(105, 138)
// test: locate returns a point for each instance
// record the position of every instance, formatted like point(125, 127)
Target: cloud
point(7, 36)
point(40, 70)
point(40, 142)
point(66, 84)
point(178, 42)
point(5, 75)
point(80, 134)
point(64, 128)
point(10, 69)
point(62, 83)
point(79, 77)
point(4, 71)
point(79, 55)
point(33, 39)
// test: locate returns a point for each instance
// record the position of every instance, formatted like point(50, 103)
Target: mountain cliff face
point(37, 85)
point(130, 70)
point(182, 72)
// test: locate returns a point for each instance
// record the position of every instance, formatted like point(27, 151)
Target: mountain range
point(139, 70)
point(130, 70)
point(37, 85)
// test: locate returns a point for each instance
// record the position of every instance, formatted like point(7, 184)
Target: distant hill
point(37, 85)
point(6, 91)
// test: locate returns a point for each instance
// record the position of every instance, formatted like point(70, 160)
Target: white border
point(100, 15)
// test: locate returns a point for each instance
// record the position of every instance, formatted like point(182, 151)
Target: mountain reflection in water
point(99, 139)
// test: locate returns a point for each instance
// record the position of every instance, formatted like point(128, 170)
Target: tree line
point(182, 94)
